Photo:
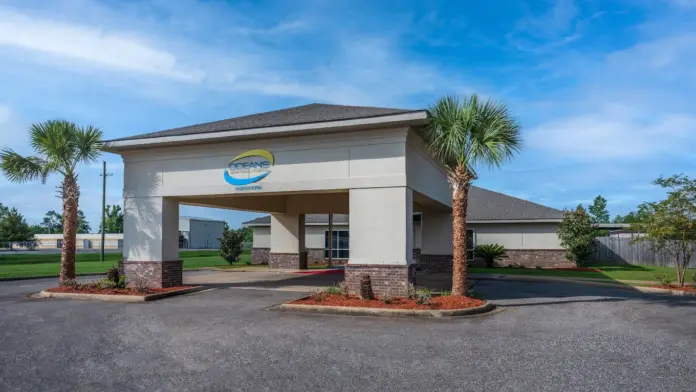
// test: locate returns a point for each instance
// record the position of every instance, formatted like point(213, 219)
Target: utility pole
point(103, 220)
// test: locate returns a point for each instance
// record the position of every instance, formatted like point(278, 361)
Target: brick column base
point(260, 255)
point(157, 274)
point(386, 278)
point(285, 261)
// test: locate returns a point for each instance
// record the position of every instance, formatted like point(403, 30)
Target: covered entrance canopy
point(370, 163)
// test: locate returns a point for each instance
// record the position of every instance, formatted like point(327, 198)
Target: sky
point(603, 89)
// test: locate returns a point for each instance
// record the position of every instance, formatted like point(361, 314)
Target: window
point(339, 244)
point(470, 245)
point(59, 244)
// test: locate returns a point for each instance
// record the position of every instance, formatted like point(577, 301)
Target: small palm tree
point(465, 134)
point(60, 146)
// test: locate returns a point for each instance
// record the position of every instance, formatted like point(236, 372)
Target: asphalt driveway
point(547, 337)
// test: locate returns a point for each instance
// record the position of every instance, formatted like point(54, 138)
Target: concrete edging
point(120, 298)
point(657, 290)
point(487, 307)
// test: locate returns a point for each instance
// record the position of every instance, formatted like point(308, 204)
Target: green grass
point(27, 265)
point(609, 272)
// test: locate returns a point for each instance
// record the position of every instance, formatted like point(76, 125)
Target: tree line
point(14, 226)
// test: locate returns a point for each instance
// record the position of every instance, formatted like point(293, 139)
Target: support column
point(287, 242)
point(151, 241)
point(381, 240)
point(436, 238)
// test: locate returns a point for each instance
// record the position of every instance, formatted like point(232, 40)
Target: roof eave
point(410, 118)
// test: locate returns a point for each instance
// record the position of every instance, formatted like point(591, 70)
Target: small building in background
point(194, 233)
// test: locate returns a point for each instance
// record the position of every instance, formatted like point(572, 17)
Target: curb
point(487, 307)
point(120, 298)
point(655, 290)
point(536, 279)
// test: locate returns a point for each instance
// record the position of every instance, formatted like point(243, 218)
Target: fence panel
point(622, 251)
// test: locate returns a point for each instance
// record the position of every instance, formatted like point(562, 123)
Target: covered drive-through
point(370, 163)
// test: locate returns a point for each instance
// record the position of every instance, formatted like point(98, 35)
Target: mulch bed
point(127, 291)
point(690, 289)
point(436, 303)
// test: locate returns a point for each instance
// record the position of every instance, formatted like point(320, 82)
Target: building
point(194, 233)
point(369, 163)
point(527, 230)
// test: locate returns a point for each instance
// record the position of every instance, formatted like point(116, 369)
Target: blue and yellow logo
point(249, 167)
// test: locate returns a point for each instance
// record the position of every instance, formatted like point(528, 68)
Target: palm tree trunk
point(460, 198)
point(70, 194)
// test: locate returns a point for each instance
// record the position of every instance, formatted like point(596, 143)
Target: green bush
point(490, 253)
point(664, 280)
point(423, 296)
point(231, 245)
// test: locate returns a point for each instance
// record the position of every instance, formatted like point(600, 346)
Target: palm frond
point(89, 143)
point(54, 140)
point(467, 133)
point(24, 169)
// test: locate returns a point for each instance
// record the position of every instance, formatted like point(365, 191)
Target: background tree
point(231, 245)
point(576, 234)
point(14, 228)
point(464, 134)
point(52, 222)
point(598, 210)
point(634, 216)
point(113, 219)
point(3, 210)
point(670, 224)
point(60, 146)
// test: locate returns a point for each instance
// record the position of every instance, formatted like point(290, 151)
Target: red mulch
point(436, 303)
point(127, 291)
point(578, 269)
point(690, 289)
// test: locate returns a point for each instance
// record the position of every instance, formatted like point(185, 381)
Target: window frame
point(337, 250)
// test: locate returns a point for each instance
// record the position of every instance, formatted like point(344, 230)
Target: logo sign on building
point(249, 167)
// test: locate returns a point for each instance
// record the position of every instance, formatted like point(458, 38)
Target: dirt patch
point(689, 289)
point(127, 291)
point(449, 302)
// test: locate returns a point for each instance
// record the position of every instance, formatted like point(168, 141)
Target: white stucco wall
point(517, 235)
point(425, 175)
point(381, 226)
point(364, 159)
point(287, 236)
point(262, 237)
point(150, 229)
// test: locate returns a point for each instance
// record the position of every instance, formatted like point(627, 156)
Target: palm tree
point(465, 134)
point(60, 145)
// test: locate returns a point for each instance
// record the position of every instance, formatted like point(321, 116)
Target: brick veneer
point(529, 258)
point(260, 255)
point(385, 278)
point(316, 256)
point(537, 258)
point(435, 263)
point(284, 260)
point(158, 274)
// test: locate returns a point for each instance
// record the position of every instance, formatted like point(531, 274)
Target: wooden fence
point(623, 251)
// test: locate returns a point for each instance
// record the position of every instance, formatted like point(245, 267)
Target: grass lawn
point(26, 265)
point(609, 272)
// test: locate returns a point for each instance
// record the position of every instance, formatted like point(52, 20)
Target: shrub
point(423, 296)
point(412, 291)
point(121, 284)
point(664, 280)
point(103, 284)
point(231, 245)
point(387, 297)
point(335, 290)
point(576, 234)
point(445, 293)
point(113, 274)
point(490, 253)
point(141, 284)
point(319, 294)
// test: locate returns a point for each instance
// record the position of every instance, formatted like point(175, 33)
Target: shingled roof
point(306, 114)
point(484, 206)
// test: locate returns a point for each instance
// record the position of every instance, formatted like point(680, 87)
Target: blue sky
point(603, 89)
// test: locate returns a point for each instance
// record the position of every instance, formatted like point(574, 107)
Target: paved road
point(548, 337)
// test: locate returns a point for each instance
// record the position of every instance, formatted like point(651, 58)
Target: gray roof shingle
point(484, 205)
point(306, 114)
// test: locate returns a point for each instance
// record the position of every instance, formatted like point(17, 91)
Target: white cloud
point(610, 135)
point(92, 45)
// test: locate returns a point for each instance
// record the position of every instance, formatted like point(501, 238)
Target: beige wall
point(305, 163)
point(517, 235)
point(381, 226)
point(150, 229)
point(287, 234)
point(262, 237)
point(425, 174)
point(49, 241)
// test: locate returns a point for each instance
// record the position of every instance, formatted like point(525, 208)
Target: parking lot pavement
point(547, 337)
